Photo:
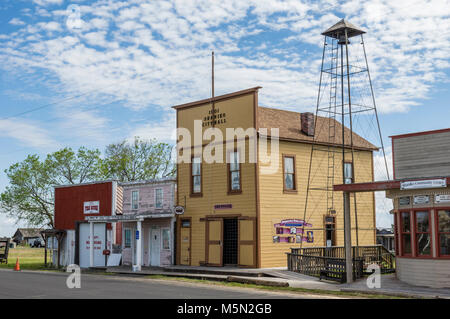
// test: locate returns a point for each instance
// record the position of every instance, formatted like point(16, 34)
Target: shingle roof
point(30, 232)
point(289, 126)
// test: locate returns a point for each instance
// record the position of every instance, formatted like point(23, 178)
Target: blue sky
point(110, 70)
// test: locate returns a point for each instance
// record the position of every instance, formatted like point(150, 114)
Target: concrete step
point(215, 271)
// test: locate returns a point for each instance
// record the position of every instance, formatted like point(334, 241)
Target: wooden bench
point(4, 250)
point(334, 270)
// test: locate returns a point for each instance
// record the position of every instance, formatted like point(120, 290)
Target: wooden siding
point(422, 155)
point(69, 201)
point(424, 272)
point(147, 197)
point(165, 255)
point(239, 113)
point(276, 205)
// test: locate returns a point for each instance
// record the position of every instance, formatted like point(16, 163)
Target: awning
point(417, 183)
point(127, 217)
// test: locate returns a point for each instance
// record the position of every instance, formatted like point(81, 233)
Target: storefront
point(247, 210)
point(421, 196)
point(149, 238)
point(73, 205)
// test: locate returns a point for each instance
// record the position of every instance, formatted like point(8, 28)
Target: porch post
point(139, 245)
point(348, 238)
point(91, 244)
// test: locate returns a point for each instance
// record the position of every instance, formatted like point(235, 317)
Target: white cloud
point(16, 21)
point(158, 51)
point(164, 130)
point(8, 226)
point(48, 2)
point(26, 133)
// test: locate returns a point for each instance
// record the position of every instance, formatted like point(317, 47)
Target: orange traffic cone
point(17, 266)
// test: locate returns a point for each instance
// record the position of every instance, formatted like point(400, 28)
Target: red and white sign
point(91, 207)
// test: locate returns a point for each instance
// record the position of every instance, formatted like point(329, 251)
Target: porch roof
point(128, 217)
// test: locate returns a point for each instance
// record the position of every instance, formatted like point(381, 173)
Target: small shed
point(26, 235)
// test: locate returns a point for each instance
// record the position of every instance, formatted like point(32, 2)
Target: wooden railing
point(377, 254)
point(330, 267)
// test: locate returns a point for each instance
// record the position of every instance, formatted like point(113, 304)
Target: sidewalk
point(275, 277)
point(390, 285)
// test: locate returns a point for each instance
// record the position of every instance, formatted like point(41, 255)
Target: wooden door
point(185, 244)
point(214, 242)
point(247, 242)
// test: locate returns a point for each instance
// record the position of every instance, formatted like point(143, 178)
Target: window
point(423, 238)
point(196, 170)
point(127, 236)
point(185, 223)
point(348, 173)
point(330, 231)
point(234, 173)
point(134, 199)
point(158, 198)
point(166, 238)
point(444, 232)
point(289, 173)
point(405, 219)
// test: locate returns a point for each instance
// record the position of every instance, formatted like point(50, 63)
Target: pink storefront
point(148, 235)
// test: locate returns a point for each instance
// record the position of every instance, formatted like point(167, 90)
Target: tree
point(139, 160)
point(30, 196)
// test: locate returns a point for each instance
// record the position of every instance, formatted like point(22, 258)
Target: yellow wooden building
point(248, 211)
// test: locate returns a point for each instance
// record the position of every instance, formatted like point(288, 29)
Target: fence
point(330, 267)
point(377, 254)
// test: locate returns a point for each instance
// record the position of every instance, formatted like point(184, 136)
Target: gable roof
point(289, 125)
point(29, 232)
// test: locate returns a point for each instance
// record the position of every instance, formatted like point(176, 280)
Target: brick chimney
point(307, 123)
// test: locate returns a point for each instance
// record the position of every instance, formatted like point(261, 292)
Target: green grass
point(279, 289)
point(29, 258)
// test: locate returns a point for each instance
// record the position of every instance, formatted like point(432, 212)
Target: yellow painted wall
point(276, 206)
point(239, 113)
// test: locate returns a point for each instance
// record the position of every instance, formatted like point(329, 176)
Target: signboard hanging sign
point(442, 199)
point(429, 183)
point(404, 200)
point(421, 199)
point(179, 210)
point(91, 207)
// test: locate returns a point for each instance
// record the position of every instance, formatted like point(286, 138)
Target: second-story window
point(348, 173)
point(196, 178)
point(158, 198)
point(289, 173)
point(234, 173)
point(134, 199)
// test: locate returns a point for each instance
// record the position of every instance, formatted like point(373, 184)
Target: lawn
point(29, 258)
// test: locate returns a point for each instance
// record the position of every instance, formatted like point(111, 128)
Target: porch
point(329, 262)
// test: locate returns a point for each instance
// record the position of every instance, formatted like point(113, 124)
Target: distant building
point(421, 196)
point(386, 237)
point(26, 235)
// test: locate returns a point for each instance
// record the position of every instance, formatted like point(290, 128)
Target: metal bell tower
point(345, 94)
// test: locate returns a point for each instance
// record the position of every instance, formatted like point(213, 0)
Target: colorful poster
point(291, 231)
